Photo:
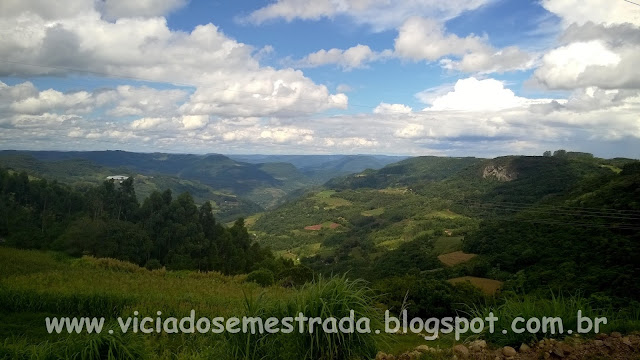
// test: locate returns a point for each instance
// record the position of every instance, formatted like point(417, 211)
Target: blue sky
point(418, 77)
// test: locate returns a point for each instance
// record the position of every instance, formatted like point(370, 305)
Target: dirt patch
point(318, 227)
point(455, 258)
point(614, 346)
point(488, 286)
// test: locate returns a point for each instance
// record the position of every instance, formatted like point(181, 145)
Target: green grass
point(447, 244)
point(615, 169)
point(329, 201)
point(564, 307)
point(373, 212)
point(325, 298)
point(35, 285)
point(325, 194)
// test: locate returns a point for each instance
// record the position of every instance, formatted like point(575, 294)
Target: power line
point(631, 2)
point(552, 212)
point(577, 211)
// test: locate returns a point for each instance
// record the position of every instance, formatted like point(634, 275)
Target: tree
point(560, 153)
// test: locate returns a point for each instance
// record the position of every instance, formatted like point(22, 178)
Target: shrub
point(153, 264)
point(262, 277)
point(109, 264)
point(295, 276)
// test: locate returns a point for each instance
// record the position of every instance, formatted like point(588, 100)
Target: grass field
point(455, 258)
point(488, 286)
point(447, 244)
point(373, 212)
point(35, 285)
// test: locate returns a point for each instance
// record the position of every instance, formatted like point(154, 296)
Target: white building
point(118, 178)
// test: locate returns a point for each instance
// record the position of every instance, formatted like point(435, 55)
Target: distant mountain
point(321, 168)
point(81, 172)
point(255, 181)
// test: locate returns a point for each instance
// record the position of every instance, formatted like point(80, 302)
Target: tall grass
point(564, 307)
point(77, 347)
point(99, 305)
point(324, 298)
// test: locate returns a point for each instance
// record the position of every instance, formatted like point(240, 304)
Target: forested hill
point(513, 219)
point(107, 220)
point(324, 167)
point(234, 188)
point(240, 186)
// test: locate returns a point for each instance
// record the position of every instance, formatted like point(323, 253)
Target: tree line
point(108, 221)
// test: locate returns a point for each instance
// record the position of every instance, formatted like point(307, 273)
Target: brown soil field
point(488, 286)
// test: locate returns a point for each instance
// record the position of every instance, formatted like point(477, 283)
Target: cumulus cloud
point(472, 94)
point(226, 70)
point(354, 57)
point(596, 11)
point(114, 9)
point(593, 55)
point(426, 39)
point(492, 61)
point(121, 101)
point(380, 15)
point(384, 108)
point(110, 9)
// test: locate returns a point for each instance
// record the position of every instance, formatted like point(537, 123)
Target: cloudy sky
point(412, 77)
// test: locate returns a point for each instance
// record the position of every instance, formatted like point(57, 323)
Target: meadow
point(37, 284)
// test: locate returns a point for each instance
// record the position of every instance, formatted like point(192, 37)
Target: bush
point(262, 277)
point(153, 264)
point(295, 276)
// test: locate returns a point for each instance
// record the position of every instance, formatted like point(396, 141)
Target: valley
point(431, 235)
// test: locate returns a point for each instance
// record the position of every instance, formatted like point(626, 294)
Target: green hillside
point(83, 173)
point(513, 211)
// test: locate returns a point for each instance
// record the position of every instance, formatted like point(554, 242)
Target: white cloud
point(384, 108)
point(114, 9)
point(472, 94)
point(191, 122)
point(563, 67)
point(50, 100)
point(354, 57)
point(125, 100)
point(110, 9)
point(411, 131)
point(593, 55)
point(380, 15)
point(596, 11)
point(600, 46)
point(492, 61)
point(226, 70)
point(148, 123)
point(426, 39)
point(144, 101)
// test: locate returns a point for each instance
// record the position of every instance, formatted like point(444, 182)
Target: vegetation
point(517, 236)
point(64, 286)
point(107, 221)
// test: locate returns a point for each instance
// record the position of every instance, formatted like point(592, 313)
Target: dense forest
point(108, 221)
